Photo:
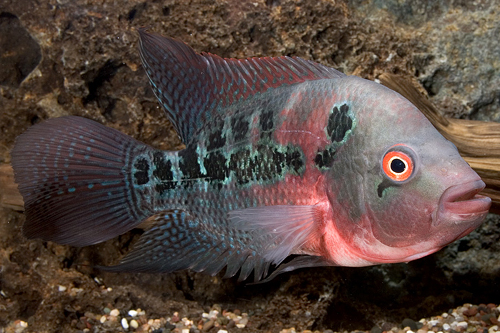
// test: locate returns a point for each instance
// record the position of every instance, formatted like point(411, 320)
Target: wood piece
point(9, 194)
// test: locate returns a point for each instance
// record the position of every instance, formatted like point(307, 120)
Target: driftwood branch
point(9, 195)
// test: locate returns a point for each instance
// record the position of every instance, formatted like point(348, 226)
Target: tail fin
point(75, 177)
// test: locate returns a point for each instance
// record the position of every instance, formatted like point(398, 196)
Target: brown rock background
point(63, 57)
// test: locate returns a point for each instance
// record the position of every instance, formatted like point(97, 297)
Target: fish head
point(410, 191)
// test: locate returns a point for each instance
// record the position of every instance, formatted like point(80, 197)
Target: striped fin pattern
point(75, 177)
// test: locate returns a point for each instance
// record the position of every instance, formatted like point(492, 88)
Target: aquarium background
point(81, 58)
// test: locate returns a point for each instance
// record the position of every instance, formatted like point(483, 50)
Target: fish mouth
point(462, 204)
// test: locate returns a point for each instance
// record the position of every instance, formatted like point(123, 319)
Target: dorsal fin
point(194, 87)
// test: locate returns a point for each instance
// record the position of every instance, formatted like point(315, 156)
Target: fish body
point(283, 156)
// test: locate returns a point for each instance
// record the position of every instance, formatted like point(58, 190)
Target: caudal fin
point(75, 177)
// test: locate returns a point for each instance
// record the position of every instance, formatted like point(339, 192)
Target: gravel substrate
point(467, 318)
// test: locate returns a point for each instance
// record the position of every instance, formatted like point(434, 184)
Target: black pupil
point(398, 166)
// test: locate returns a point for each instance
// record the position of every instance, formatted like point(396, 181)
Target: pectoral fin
point(285, 228)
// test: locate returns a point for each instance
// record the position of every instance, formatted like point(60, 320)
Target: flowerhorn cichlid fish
point(283, 156)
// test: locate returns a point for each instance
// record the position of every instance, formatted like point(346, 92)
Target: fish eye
point(397, 165)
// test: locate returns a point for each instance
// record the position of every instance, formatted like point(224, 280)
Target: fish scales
point(214, 173)
point(283, 156)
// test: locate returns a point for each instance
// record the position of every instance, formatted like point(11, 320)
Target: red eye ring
point(397, 165)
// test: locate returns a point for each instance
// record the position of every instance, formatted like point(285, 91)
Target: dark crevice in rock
point(486, 107)
point(434, 83)
point(136, 11)
point(342, 316)
point(95, 82)
point(19, 52)
point(29, 305)
point(272, 3)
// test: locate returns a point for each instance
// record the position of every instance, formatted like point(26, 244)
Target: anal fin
point(175, 240)
point(302, 261)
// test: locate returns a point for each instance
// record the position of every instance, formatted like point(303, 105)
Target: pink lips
point(462, 204)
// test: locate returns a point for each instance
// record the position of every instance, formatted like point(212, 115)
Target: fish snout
point(462, 206)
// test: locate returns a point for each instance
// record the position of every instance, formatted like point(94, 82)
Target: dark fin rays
point(193, 87)
point(296, 263)
point(72, 174)
point(171, 243)
point(176, 242)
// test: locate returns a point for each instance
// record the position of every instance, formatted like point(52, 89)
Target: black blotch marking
point(339, 123)
point(383, 186)
point(216, 139)
point(189, 165)
point(242, 165)
point(266, 123)
point(325, 158)
point(265, 162)
point(270, 163)
point(217, 170)
point(239, 127)
point(141, 175)
point(294, 161)
point(163, 171)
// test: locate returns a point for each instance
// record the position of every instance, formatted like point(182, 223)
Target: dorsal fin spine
point(213, 83)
